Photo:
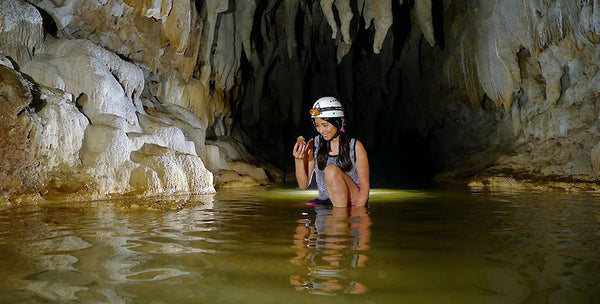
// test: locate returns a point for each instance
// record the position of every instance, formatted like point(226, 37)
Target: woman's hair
point(343, 160)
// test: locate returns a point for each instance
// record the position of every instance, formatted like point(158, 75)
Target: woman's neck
point(335, 141)
point(334, 145)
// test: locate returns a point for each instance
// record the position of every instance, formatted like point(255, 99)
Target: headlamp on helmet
point(326, 107)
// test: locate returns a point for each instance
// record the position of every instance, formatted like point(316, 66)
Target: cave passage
point(369, 85)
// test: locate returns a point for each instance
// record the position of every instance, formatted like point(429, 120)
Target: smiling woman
point(341, 167)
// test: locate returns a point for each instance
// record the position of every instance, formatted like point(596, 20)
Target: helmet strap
point(337, 133)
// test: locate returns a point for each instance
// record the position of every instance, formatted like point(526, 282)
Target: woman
point(340, 162)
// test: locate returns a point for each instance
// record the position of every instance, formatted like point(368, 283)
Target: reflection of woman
point(332, 246)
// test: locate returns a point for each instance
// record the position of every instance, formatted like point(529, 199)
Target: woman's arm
point(304, 162)
point(362, 169)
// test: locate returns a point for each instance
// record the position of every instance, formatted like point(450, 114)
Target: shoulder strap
point(315, 147)
point(353, 145)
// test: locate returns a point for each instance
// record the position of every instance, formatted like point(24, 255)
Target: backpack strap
point(353, 147)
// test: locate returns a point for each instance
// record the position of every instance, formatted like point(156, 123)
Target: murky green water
point(270, 247)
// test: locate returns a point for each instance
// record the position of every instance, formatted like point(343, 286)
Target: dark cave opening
point(368, 84)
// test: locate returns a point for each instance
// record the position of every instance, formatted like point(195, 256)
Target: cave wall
point(101, 97)
point(463, 87)
point(513, 90)
point(484, 88)
point(158, 81)
point(160, 91)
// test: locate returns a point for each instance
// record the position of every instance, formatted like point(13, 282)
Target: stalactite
point(245, 10)
point(345, 13)
point(380, 13)
point(214, 7)
point(596, 16)
point(424, 19)
point(227, 55)
point(326, 6)
point(291, 10)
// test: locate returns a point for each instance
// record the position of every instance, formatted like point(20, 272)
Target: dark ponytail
point(343, 159)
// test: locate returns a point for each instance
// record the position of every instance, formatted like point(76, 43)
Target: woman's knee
point(332, 172)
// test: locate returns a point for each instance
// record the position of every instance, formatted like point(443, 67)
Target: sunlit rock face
point(513, 91)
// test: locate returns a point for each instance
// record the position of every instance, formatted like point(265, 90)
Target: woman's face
point(326, 129)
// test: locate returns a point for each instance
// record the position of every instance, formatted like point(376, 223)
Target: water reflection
point(448, 248)
point(91, 252)
point(330, 246)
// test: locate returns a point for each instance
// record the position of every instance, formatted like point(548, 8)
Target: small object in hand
point(300, 139)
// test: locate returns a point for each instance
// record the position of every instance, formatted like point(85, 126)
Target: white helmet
point(326, 107)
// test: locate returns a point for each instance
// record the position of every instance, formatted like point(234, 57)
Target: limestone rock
point(5, 61)
point(346, 15)
point(60, 152)
point(380, 12)
point(193, 96)
point(157, 34)
point(63, 128)
point(61, 136)
point(232, 179)
point(194, 130)
point(257, 173)
point(291, 11)
point(326, 6)
point(424, 19)
point(21, 30)
point(534, 61)
point(18, 124)
point(595, 159)
point(176, 172)
point(165, 134)
point(112, 86)
point(214, 8)
point(178, 24)
point(105, 157)
point(231, 149)
point(42, 147)
point(245, 16)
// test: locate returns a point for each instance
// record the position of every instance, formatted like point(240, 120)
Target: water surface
point(268, 246)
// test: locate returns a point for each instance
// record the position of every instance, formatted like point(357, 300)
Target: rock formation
point(114, 97)
point(513, 95)
point(78, 119)
point(147, 97)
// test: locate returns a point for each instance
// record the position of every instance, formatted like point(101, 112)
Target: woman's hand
point(303, 161)
point(301, 149)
